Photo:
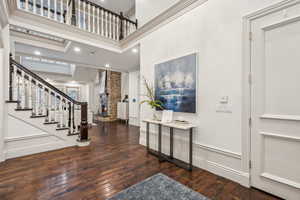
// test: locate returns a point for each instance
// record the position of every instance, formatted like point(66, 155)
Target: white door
point(134, 105)
point(275, 132)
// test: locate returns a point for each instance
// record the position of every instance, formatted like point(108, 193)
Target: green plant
point(151, 97)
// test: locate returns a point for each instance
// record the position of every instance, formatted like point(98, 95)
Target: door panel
point(275, 103)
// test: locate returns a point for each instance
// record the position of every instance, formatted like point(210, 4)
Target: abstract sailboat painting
point(175, 84)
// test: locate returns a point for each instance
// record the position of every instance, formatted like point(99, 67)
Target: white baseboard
point(216, 160)
point(23, 146)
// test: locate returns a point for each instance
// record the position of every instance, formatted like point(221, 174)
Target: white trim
point(14, 153)
point(3, 14)
point(281, 180)
point(281, 117)
point(218, 150)
point(246, 108)
point(203, 162)
point(13, 139)
point(274, 135)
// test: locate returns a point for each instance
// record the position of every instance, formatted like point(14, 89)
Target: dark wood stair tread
point(62, 129)
point(38, 116)
point(48, 123)
point(11, 101)
point(23, 109)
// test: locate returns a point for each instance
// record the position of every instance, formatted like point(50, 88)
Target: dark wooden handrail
point(41, 80)
point(109, 11)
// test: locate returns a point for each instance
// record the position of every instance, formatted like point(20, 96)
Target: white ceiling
point(127, 61)
point(116, 5)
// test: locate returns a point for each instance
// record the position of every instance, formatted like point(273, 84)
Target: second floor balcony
point(84, 15)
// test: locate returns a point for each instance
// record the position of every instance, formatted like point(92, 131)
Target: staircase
point(39, 104)
point(82, 14)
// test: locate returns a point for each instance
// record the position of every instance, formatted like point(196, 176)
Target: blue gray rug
point(158, 187)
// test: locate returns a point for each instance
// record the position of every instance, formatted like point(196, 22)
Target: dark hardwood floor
point(113, 162)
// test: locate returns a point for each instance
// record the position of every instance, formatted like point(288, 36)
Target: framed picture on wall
point(175, 84)
point(73, 92)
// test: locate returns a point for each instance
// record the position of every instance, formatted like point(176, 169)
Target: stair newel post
point(83, 135)
point(136, 24)
point(69, 118)
point(73, 18)
point(121, 26)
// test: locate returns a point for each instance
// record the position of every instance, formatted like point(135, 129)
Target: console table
point(162, 157)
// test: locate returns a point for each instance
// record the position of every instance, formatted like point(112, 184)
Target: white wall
point(4, 66)
point(146, 10)
point(214, 31)
point(134, 99)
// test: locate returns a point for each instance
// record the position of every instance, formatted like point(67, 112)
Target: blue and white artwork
point(175, 84)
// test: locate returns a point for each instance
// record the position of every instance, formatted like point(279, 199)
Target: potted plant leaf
point(151, 101)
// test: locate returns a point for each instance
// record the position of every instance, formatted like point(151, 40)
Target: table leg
point(191, 150)
point(159, 142)
point(147, 136)
point(171, 141)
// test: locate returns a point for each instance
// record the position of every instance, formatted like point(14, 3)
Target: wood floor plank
point(113, 162)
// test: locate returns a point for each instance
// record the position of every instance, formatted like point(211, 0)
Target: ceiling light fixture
point(77, 49)
point(107, 65)
point(135, 50)
point(37, 53)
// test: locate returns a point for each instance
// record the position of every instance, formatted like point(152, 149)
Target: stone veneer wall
point(114, 90)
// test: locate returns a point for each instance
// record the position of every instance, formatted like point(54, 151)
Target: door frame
point(247, 79)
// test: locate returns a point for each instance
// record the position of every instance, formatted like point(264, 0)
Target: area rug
point(158, 187)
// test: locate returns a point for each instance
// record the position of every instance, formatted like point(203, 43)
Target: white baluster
point(15, 83)
point(118, 28)
point(26, 95)
point(22, 89)
point(26, 5)
point(84, 15)
point(30, 92)
point(42, 7)
point(89, 17)
point(94, 18)
point(34, 6)
point(98, 21)
point(114, 27)
point(110, 25)
point(51, 107)
point(61, 11)
point(55, 10)
point(102, 22)
point(34, 99)
point(79, 14)
point(106, 24)
point(49, 8)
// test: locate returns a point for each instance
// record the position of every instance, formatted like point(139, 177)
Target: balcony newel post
point(121, 26)
point(73, 18)
point(84, 135)
point(11, 72)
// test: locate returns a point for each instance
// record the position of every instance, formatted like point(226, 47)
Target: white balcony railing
point(84, 15)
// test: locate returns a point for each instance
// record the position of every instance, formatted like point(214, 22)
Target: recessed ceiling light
point(107, 65)
point(135, 50)
point(38, 53)
point(77, 49)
